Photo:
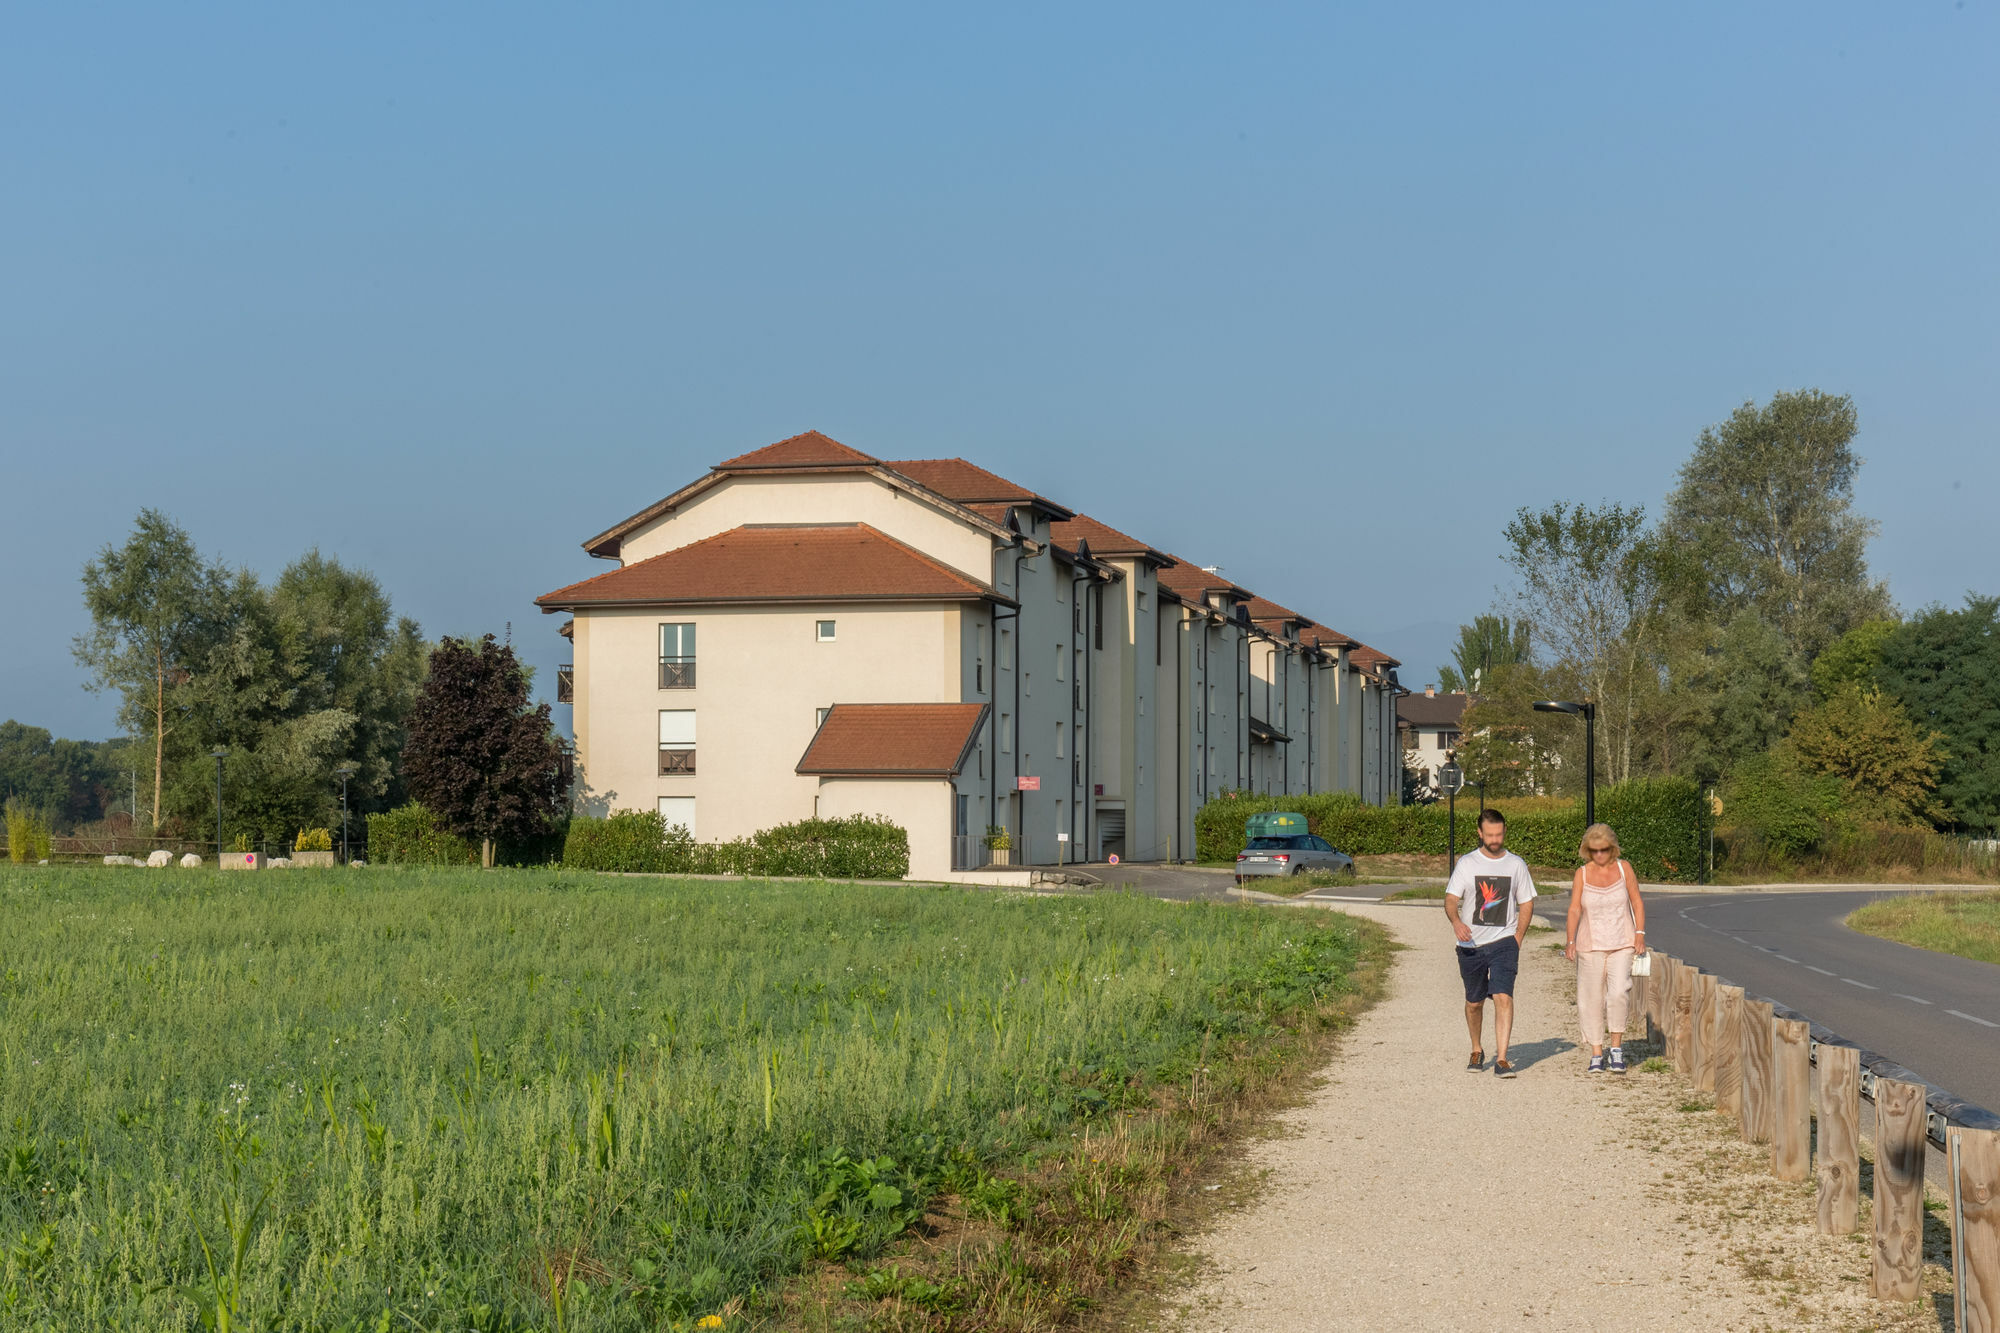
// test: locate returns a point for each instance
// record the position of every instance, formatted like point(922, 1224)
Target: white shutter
point(677, 727)
point(678, 810)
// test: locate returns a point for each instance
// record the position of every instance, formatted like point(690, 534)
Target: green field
point(1967, 924)
point(454, 1100)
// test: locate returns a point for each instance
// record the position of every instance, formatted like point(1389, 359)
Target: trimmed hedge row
point(1658, 822)
point(639, 840)
point(410, 835)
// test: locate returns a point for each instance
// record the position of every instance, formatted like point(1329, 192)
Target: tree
point(69, 779)
point(1854, 658)
point(1587, 592)
point(1741, 697)
point(478, 756)
point(1943, 666)
point(1762, 521)
point(155, 610)
point(1488, 644)
point(1887, 767)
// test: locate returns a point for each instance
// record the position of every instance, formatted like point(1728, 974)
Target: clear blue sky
point(1319, 296)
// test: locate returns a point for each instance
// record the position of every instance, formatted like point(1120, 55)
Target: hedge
point(1658, 822)
point(411, 835)
point(639, 840)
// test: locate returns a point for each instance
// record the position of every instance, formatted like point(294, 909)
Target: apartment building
point(808, 629)
point(1432, 724)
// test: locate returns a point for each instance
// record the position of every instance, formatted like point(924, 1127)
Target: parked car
point(1289, 854)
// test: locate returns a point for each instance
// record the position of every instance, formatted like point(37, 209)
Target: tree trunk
point(159, 731)
point(486, 853)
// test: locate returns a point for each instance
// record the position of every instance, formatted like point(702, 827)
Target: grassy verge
point(1421, 893)
point(528, 1100)
point(1967, 924)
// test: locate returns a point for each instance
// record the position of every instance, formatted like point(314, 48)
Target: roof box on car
point(1274, 824)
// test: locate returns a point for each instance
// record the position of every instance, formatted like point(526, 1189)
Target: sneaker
point(1476, 1063)
point(1504, 1068)
point(1617, 1059)
point(1596, 1064)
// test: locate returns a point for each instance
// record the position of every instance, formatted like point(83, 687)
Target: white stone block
point(160, 857)
point(190, 861)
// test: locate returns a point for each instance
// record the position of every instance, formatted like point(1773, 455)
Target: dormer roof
point(808, 449)
point(972, 485)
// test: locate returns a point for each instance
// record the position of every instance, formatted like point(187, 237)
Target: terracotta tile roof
point(970, 484)
point(810, 449)
point(1103, 539)
point(893, 740)
point(1263, 608)
point(1319, 636)
point(1431, 710)
point(779, 563)
point(1194, 583)
point(1371, 658)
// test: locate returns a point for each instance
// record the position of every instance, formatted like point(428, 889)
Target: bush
point(640, 841)
point(1658, 821)
point(313, 840)
point(27, 832)
point(409, 835)
point(1776, 812)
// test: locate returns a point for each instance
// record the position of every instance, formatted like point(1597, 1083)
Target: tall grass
point(1967, 924)
point(1869, 853)
point(440, 1099)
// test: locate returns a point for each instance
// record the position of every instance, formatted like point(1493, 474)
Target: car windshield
point(1278, 844)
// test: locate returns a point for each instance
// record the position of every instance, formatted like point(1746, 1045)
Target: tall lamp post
point(219, 754)
point(345, 771)
point(1587, 709)
point(1451, 777)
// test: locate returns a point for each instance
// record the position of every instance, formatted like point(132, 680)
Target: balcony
point(677, 673)
point(566, 683)
point(676, 762)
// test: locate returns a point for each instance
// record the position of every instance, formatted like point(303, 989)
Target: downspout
point(1079, 616)
point(1242, 703)
point(993, 693)
point(1015, 740)
point(1180, 746)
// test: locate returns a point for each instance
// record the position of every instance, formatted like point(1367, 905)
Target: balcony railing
point(676, 761)
point(677, 673)
point(566, 683)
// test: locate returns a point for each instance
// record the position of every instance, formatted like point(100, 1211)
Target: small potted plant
point(314, 847)
point(999, 844)
point(241, 858)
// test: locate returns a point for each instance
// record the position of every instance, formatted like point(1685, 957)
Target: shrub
point(313, 840)
point(639, 840)
point(409, 835)
point(27, 832)
point(1659, 822)
point(1775, 811)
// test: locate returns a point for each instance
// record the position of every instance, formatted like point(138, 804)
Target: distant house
point(809, 629)
point(1430, 725)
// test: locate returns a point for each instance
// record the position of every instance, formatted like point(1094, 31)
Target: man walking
point(1484, 899)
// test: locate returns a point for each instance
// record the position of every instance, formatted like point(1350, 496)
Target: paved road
point(1936, 1013)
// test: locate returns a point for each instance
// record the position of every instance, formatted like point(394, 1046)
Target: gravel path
point(1408, 1193)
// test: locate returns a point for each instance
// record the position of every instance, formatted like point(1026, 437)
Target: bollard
point(1755, 1041)
point(1975, 1227)
point(1701, 1059)
point(1791, 1084)
point(1900, 1113)
point(1728, 1051)
point(1839, 1167)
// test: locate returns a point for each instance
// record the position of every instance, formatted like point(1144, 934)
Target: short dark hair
point(1493, 817)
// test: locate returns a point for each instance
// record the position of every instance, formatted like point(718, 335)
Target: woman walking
point(1607, 928)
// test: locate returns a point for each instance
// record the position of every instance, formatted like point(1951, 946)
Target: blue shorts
point(1489, 969)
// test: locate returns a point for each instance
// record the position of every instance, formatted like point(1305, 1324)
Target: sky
point(1317, 293)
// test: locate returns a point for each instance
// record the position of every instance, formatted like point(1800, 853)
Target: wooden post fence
point(1899, 1191)
point(1681, 1021)
point(1839, 1169)
point(1729, 1051)
point(1635, 1012)
point(1755, 1040)
point(1975, 1227)
point(1701, 1058)
point(1656, 999)
point(1791, 1070)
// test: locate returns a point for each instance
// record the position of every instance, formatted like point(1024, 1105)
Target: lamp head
point(1557, 706)
point(219, 752)
point(345, 770)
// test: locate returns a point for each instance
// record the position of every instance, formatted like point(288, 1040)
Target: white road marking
point(1783, 958)
point(1822, 971)
point(1864, 985)
point(1739, 939)
point(1913, 999)
point(1970, 1019)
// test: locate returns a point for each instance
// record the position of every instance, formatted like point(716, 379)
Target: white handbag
point(1642, 964)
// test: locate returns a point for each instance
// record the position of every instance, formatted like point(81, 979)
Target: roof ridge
point(927, 558)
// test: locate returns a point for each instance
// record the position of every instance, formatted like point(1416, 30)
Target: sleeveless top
point(1606, 923)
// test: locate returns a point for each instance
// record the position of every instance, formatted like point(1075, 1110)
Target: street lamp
point(219, 753)
point(1588, 710)
point(345, 772)
point(1451, 777)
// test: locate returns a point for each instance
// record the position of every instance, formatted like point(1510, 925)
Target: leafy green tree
point(1763, 521)
point(69, 779)
point(1888, 768)
point(1490, 643)
point(479, 756)
point(1944, 667)
point(156, 609)
point(1743, 695)
point(1854, 658)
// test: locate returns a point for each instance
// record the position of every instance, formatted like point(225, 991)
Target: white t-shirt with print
point(1488, 889)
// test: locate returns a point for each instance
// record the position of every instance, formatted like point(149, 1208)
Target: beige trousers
point(1603, 984)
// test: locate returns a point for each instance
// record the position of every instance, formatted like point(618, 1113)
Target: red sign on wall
point(1028, 784)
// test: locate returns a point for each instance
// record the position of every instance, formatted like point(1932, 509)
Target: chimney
point(1430, 691)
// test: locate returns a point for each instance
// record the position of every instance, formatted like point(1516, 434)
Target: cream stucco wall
point(922, 806)
point(760, 674)
point(843, 497)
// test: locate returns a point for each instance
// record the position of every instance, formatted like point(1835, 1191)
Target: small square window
point(819, 717)
point(823, 631)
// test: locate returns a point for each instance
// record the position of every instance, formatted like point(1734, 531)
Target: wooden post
point(1839, 1140)
point(1701, 1058)
point(1975, 1227)
point(1728, 1051)
point(1755, 1036)
point(1899, 1190)
point(1681, 1021)
point(1791, 1082)
point(1635, 1011)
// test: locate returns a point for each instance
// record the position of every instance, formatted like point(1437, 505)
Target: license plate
point(1256, 858)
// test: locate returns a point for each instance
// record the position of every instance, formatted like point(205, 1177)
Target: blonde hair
point(1599, 835)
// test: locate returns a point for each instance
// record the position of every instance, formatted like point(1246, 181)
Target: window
point(1060, 752)
point(677, 657)
point(1141, 600)
point(979, 678)
point(1006, 650)
point(1062, 656)
point(1006, 733)
point(676, 740)
point(678, 810)
point(819, 717)
point(823, 631)
point(1097, 615)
